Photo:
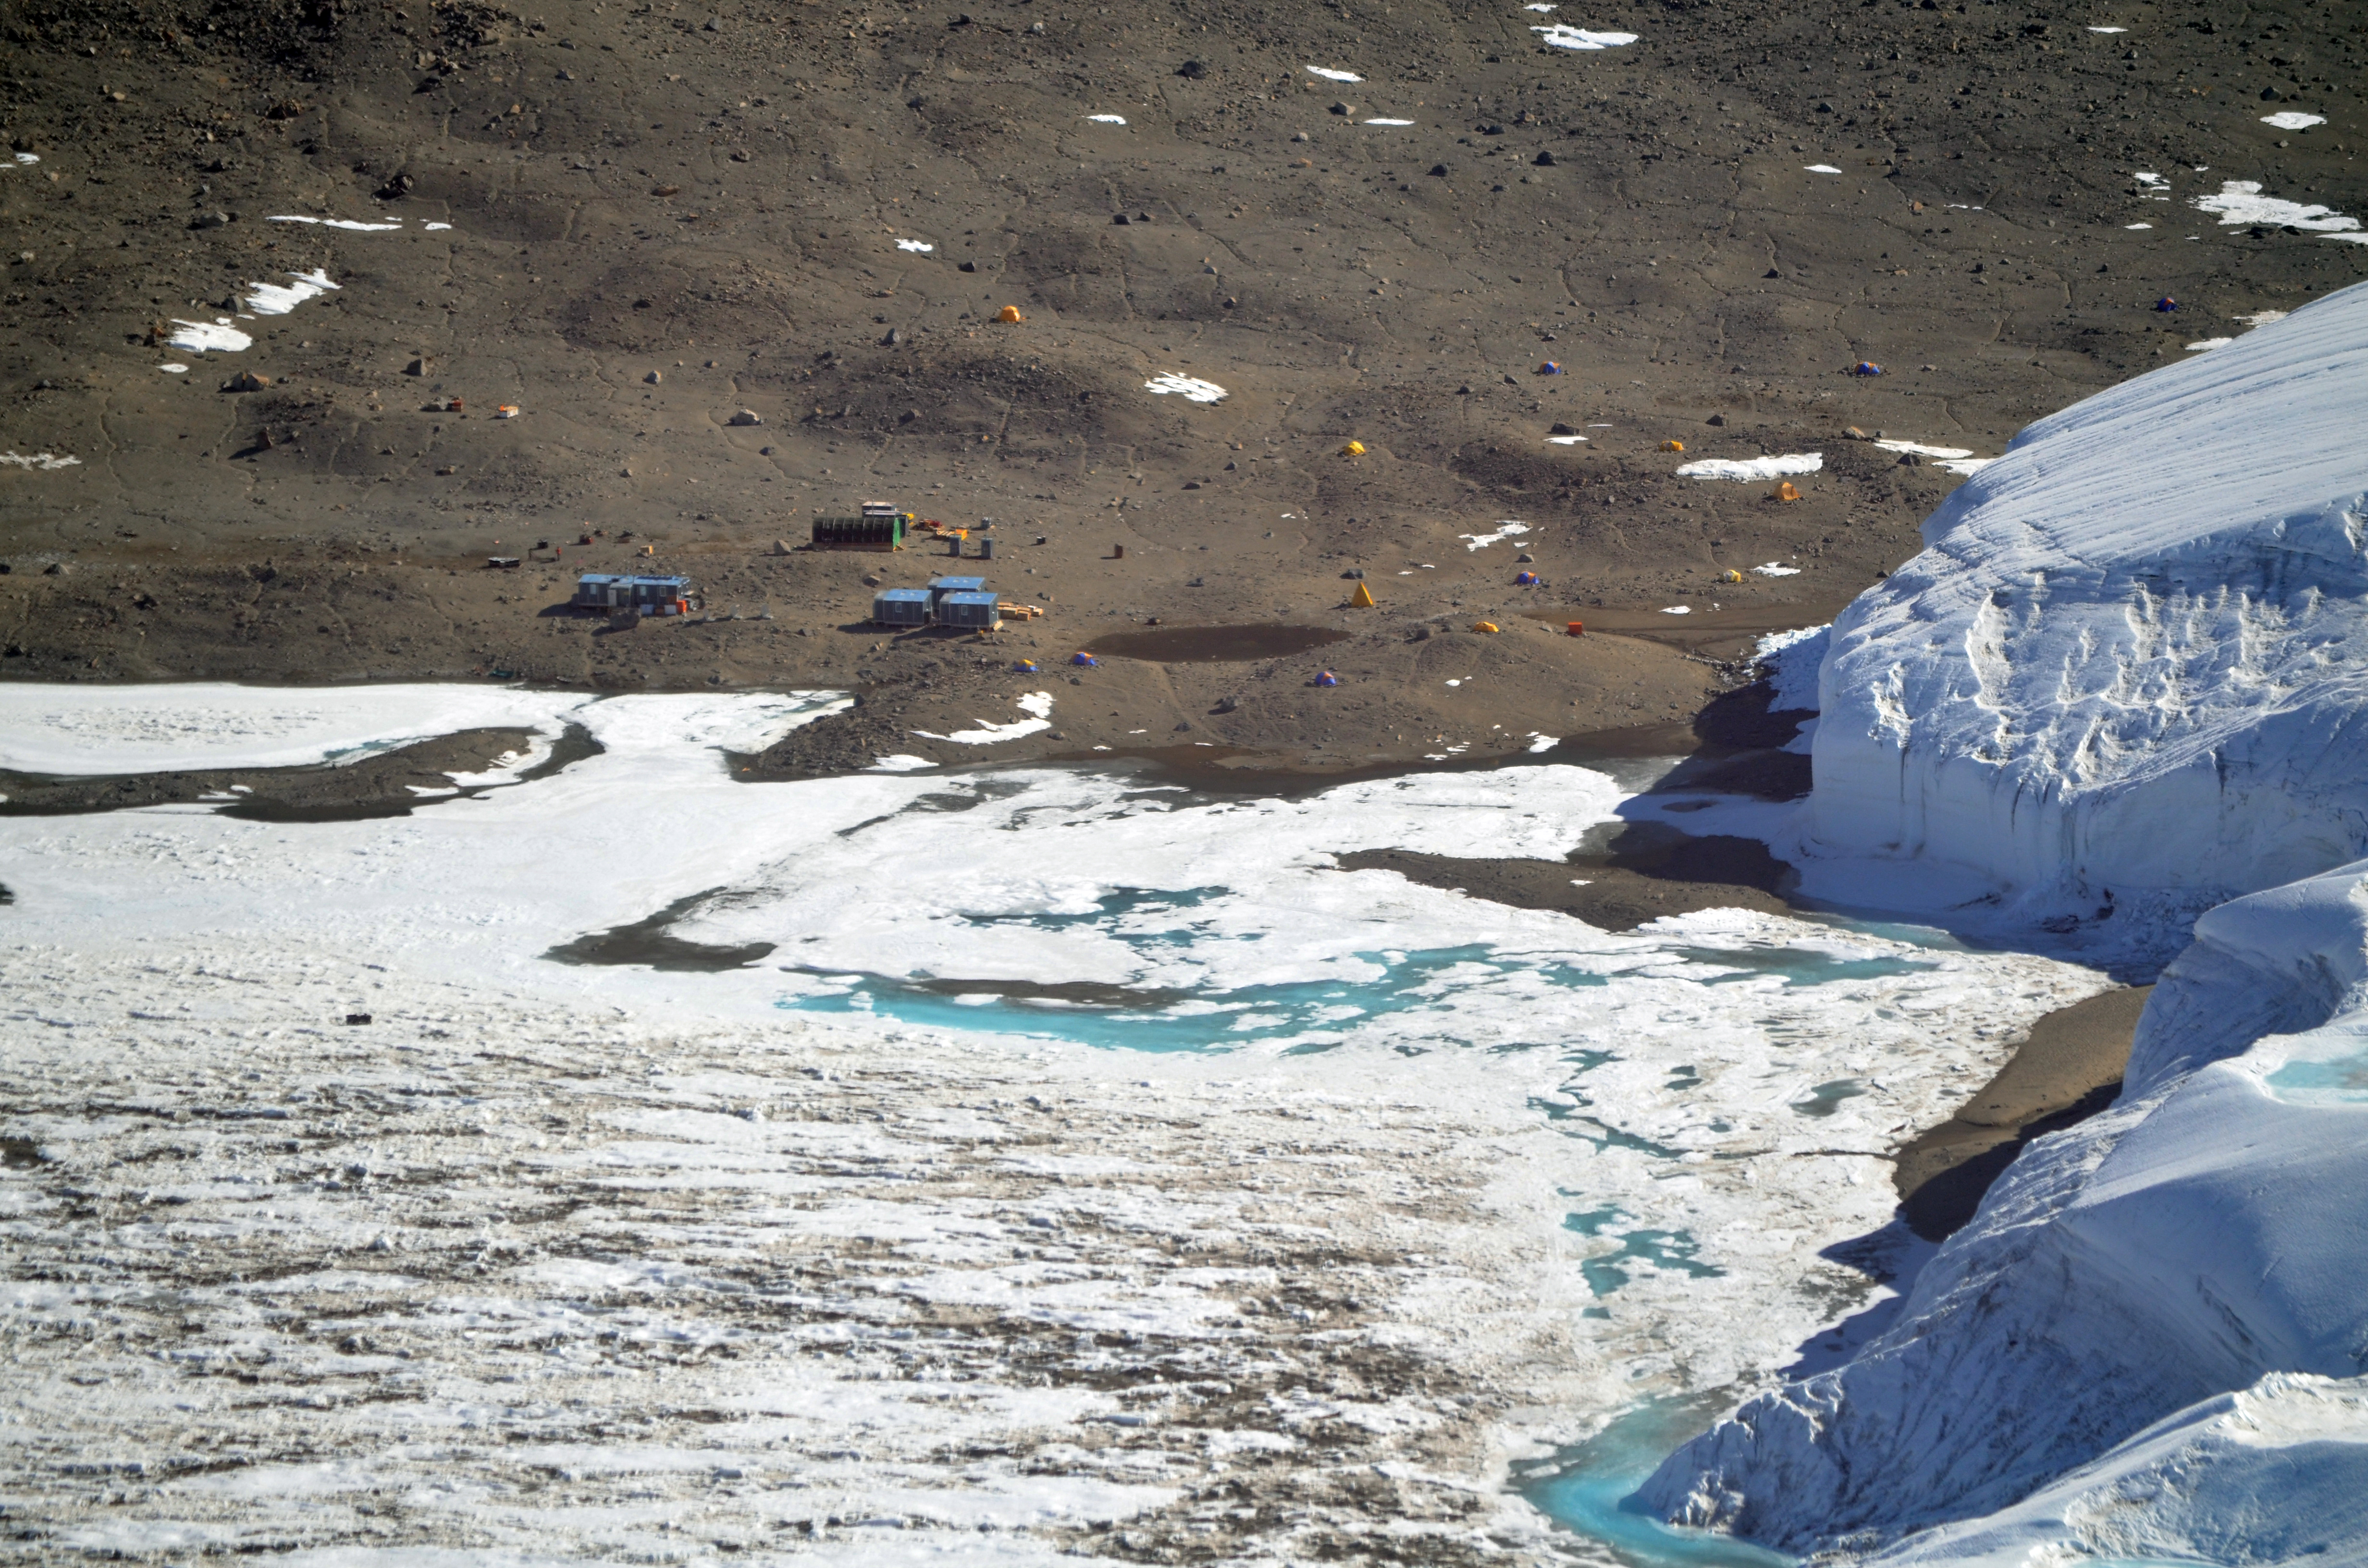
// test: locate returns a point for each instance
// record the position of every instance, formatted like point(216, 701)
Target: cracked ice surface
point(554, 1261)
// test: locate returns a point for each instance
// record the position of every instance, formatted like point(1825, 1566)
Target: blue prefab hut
point(971, 612)
point(651, 595)
point(940, 587)
point(901, 607)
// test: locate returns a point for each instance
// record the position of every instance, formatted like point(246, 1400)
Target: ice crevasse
point(2129, 659)
point(2125, 664)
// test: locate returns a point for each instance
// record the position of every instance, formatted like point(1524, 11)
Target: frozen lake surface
point(1053, 1160)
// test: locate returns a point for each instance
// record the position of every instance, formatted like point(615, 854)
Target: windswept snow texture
point(2129, 658)
point(2198, 1240)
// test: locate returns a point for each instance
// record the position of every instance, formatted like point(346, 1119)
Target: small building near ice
point(881, 526)
point(901, 607)
point(651, 595)
point(940, 587)
point(970, 612)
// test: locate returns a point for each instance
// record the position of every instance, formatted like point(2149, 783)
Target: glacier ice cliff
point(2127, 659)
point(2128, 668)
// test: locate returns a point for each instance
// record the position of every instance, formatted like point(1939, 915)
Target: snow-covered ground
point(2120, 687)
point(868, 1241)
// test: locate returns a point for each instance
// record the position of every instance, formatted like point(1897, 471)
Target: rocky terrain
point(634, 223)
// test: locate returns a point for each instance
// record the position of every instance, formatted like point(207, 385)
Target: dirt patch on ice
point(2068, 1070)
point(650, 943)
point(1650, 872)
point(390, 784)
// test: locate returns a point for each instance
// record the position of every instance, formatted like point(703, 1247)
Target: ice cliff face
point(2128, 659)
point(2204, 1234)
point(2126, 664)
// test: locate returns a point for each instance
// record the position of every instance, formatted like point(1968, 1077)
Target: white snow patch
point(1557, 36)
point(1821, 168)
point(1504, 530)
point(1753, 468)
point(1679, 610)
point(174, 369)
point(1106, 118)
point(199, 336)
point(1037, 704)
point(2260, 318)
point(278, 298)
point(1776, 569)
point(2294, 119)
point(2241, 202)
point(1190, 389)
point(1331, 75)
point(1921, 450)
point(914, 246)
point(2137, 225)
point(2151, 180)
point(335, 223)
point(47, 463)
point(436, 226)
point(901, 762)
point(1565, 441)
point(2109, 30)
point(1543, 744)
point(1389, 122)
point(2209, 343)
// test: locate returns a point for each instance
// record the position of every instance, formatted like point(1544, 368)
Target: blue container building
point(901, 607)
point(970, 612)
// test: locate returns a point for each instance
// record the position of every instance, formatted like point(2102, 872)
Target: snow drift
point(2126, 666)
point(2128, 659)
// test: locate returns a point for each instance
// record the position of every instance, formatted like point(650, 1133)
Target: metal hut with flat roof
point(970, 612)
point(901, 607)
point(940, 587)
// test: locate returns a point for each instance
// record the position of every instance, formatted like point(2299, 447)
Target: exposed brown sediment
point(2067, 1070)
point(387, 784)
point(1648, 872)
